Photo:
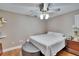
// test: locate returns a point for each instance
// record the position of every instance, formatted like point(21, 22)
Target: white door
point(76, 20)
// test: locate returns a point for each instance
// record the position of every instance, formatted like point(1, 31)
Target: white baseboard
point(12, 48)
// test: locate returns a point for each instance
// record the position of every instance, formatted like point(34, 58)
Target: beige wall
point(18, 27)
point(62, 23)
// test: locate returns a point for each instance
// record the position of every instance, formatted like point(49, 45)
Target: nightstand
point(0, 49)
point(72, 47)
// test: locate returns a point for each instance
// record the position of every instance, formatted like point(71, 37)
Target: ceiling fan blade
point(54, 10)
point(36, 13)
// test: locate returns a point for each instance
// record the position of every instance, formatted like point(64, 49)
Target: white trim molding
point(12, 48)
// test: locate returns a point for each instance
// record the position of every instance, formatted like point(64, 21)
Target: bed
point(50, 43)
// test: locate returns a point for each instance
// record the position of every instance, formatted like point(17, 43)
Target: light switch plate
point(2, 35)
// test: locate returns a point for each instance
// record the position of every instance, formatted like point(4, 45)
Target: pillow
point(55, 33)
point(50, 32)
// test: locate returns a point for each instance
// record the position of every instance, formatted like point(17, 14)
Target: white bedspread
point(49, 44)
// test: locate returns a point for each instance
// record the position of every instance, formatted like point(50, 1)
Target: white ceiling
point(32, 9)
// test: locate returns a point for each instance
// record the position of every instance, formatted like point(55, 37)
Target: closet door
point(76, 20)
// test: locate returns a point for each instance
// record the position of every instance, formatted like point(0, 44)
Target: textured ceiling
point(32, 9)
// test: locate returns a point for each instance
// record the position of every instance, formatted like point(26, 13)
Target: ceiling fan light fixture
point(44, 7)
point(41, 16)
point(46, 16)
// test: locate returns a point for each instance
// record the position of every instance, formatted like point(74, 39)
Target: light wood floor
point(65, 53)
point(17, 52)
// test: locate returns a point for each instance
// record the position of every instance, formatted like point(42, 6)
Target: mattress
point(49, 43)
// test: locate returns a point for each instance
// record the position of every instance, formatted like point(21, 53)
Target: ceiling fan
point(48, 7)
point(45, 9)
